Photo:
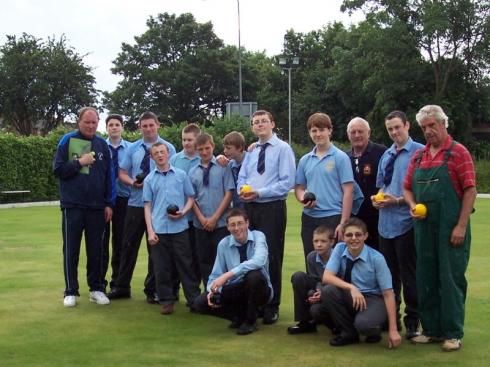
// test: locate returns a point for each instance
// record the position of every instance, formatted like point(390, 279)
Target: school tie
point(348, 269)
point(390, 166)
point(205, 174)
point(145, 163)
point(261, 163)
point(114, 158)
point(242, 250)
point(235, 171)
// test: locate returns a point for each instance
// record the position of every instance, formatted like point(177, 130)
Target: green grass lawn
point(36, 330)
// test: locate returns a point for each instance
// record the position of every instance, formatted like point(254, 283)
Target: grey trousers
point(338, 303)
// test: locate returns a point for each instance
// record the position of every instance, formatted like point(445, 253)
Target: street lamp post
point(289, 63)
point(239, 60)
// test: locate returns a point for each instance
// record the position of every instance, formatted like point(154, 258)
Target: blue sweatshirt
point(84, 187)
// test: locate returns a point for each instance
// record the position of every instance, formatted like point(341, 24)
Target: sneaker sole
point(98, 303)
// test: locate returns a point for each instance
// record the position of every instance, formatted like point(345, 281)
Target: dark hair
point(320, 120)
point(323, 230)
point(191, 128)
point(394, 114)
point(262, 112)
point(82, 111)
point(355, 222)
point(147, 115)
point(235, 139)
point(204, 138)
point(236, 212)
point(114, 116)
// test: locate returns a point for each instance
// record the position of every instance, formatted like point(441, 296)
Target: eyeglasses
point(354, 234)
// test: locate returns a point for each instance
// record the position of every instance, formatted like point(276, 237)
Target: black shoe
point(152, 300)
point(340, 341)
point(271, 315)
point(302, 328)
point(235, 323)
point(116, 293)
point(246, 328)
point(372, 339)
point(412, 332)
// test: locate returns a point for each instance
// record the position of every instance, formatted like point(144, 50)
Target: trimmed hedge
point(26, 162)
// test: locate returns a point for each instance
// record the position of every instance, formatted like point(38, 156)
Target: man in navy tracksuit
point(87, 191)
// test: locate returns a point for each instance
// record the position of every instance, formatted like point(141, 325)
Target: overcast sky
point(98, 27)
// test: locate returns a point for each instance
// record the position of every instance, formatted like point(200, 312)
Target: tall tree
point(42, 83)
point(178, 68)
point(451, 33)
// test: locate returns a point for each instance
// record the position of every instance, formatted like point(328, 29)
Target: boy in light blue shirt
point(268, 174)
point(326, 173)
point(213, 185)
point(168, 237)
point(239, 282)
point(359, 293)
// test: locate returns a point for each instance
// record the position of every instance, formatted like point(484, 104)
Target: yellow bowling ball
point(246, 188)
point(379, 196)
point(420, 210)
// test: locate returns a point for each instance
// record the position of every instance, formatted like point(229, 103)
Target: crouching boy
point(359, 293)
point(168, 197)
point(307, 286)
point(239, 282)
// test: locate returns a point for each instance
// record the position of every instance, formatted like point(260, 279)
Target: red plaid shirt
point(460, 166)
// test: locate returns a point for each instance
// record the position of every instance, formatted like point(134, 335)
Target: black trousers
point(240, 300)
point(134, 229)
point(369, 322)
point(174, 249)
point(76, 221)
point(303, 311)
point(271, 218)
point(401, 258)
point(206, 246)
point(118, 216)
point(309, 224)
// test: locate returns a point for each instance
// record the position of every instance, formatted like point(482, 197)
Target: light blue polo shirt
point(161, 190)
point(209, 198)
point(280, 168)
point(182, 161)
point(132, 162)
point(324, 177)
point(370, 273)
point(395, 220)
point(122, 189)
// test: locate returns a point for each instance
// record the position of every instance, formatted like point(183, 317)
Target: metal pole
point(239, 60)
point(289, 97)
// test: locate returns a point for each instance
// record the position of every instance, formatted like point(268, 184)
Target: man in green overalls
point(442, 177)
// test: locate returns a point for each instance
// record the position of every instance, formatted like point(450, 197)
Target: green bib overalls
point(441, 284)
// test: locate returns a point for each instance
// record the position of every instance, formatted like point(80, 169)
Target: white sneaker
point(70, 301)
point(99, 297)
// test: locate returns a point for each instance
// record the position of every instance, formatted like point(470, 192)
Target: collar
point(122, 143)
point(363, 255)
point(445, 146)
point(170, 169)
point(330, 151)
point(273, 140)
point(319, 260)
point(234, 243)
point(212, 161)
point(407, 146)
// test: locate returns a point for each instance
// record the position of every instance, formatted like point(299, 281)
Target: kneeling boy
point(239, 282)
point(307, 286)
point(359, 293)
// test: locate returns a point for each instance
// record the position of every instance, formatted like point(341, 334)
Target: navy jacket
point(94, 190)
